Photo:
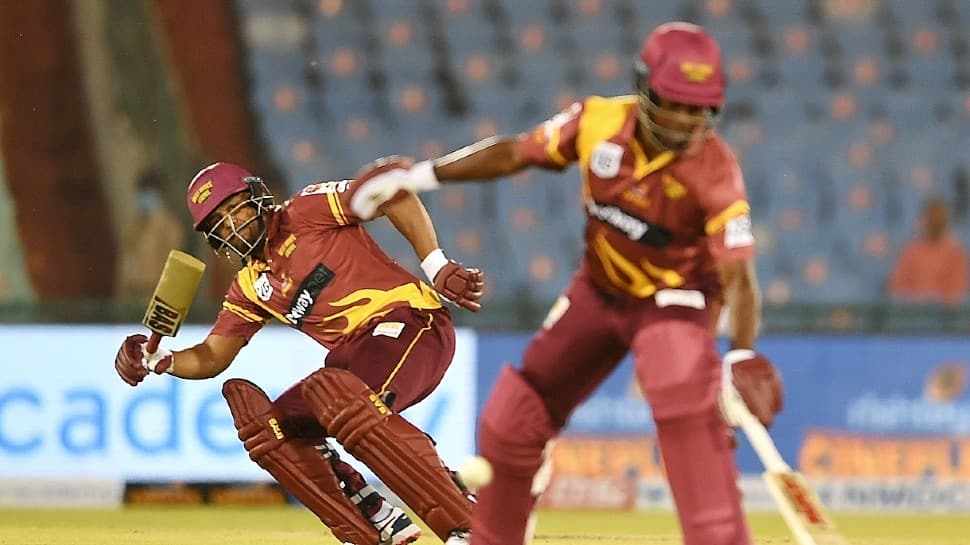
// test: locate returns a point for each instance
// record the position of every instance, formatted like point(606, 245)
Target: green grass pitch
point(293, 526)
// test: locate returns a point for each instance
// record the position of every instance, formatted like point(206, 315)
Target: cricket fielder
point(667, 240)
point(310, 264)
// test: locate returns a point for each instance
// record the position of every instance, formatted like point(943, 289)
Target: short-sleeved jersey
point(652, 222)
point(320, 272)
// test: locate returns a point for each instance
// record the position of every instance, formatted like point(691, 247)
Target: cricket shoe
point(397, 528)
point(459, 537)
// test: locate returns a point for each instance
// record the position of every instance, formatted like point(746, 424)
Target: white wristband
point(737, 355)
point(423, 178)
point(433, 262)
point(150, 361)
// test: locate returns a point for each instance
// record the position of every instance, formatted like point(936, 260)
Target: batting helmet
point(210, 188)
point(682, 62)
point(212, 185)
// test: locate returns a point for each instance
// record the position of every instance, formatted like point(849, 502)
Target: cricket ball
point(476, 472)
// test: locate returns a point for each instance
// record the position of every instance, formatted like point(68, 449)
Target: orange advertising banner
point(826, 453)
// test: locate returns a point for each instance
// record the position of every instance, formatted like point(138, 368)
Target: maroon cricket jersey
point(652, 222)
point(320, 272)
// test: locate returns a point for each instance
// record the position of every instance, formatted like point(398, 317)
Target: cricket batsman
point(668, 241)
point(310, 264)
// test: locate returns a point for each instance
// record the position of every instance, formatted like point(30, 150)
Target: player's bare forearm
point(743, 298)
point(410, 218)
point(487, 159)
point(208, 358)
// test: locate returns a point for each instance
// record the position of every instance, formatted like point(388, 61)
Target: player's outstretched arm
point(743, 299)
point(488, 159)
point(409, 216)
point(485, 160)
point(204, 360)
point(208, 358)
point(385, 179)
point(750, 373)
point(460, 285)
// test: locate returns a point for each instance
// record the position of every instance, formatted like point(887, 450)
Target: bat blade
point(798, 504)
point(802, 510)
point(173, 295)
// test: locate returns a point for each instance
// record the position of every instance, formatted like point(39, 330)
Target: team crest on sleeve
point(737, 232)
point(606, 159)
point(264, 290)
point(322, 188)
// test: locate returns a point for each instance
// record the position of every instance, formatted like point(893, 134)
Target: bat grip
point(152, 346)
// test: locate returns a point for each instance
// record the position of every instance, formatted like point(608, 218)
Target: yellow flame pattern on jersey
point(368, 303)
point(357, 307)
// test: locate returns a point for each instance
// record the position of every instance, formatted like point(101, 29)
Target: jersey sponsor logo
point(606, 160)
point(737, 232)
point(202, 194)
point(307, 294)
point(322, 188)
point(633, 227)
point(697, 72)
point(264, 290)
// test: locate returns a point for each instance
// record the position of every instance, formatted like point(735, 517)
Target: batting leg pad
point(401, 455)
point(703, 478)
point(294, 463)
point(513, 432)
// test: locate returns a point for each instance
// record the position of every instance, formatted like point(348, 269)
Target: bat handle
point(152, 346)
point(761, 441)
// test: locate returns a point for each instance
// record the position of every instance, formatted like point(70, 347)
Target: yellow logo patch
point(672, 188)
point(697, 72)
point(636, 198)
point(286, 284)
point(275, 426)
point(381, 407)
point(288, 246)
point(202, 193)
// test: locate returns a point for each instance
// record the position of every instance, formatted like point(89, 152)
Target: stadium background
point(846, 116)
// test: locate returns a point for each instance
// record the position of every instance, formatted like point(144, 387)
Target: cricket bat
point(173, 296)
point(803, 512)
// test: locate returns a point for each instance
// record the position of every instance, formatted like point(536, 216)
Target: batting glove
point(384, 187)
point(751, 376)
point(421, 177)
point(456, 283)
point(133, 363)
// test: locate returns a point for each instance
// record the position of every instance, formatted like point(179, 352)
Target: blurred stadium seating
point(846, 117)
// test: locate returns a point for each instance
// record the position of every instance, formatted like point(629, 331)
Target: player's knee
point(343, 404)
point(690, 384)
point(257, 421)
point(683, 398)
point(515, 425)
point(722, 528)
